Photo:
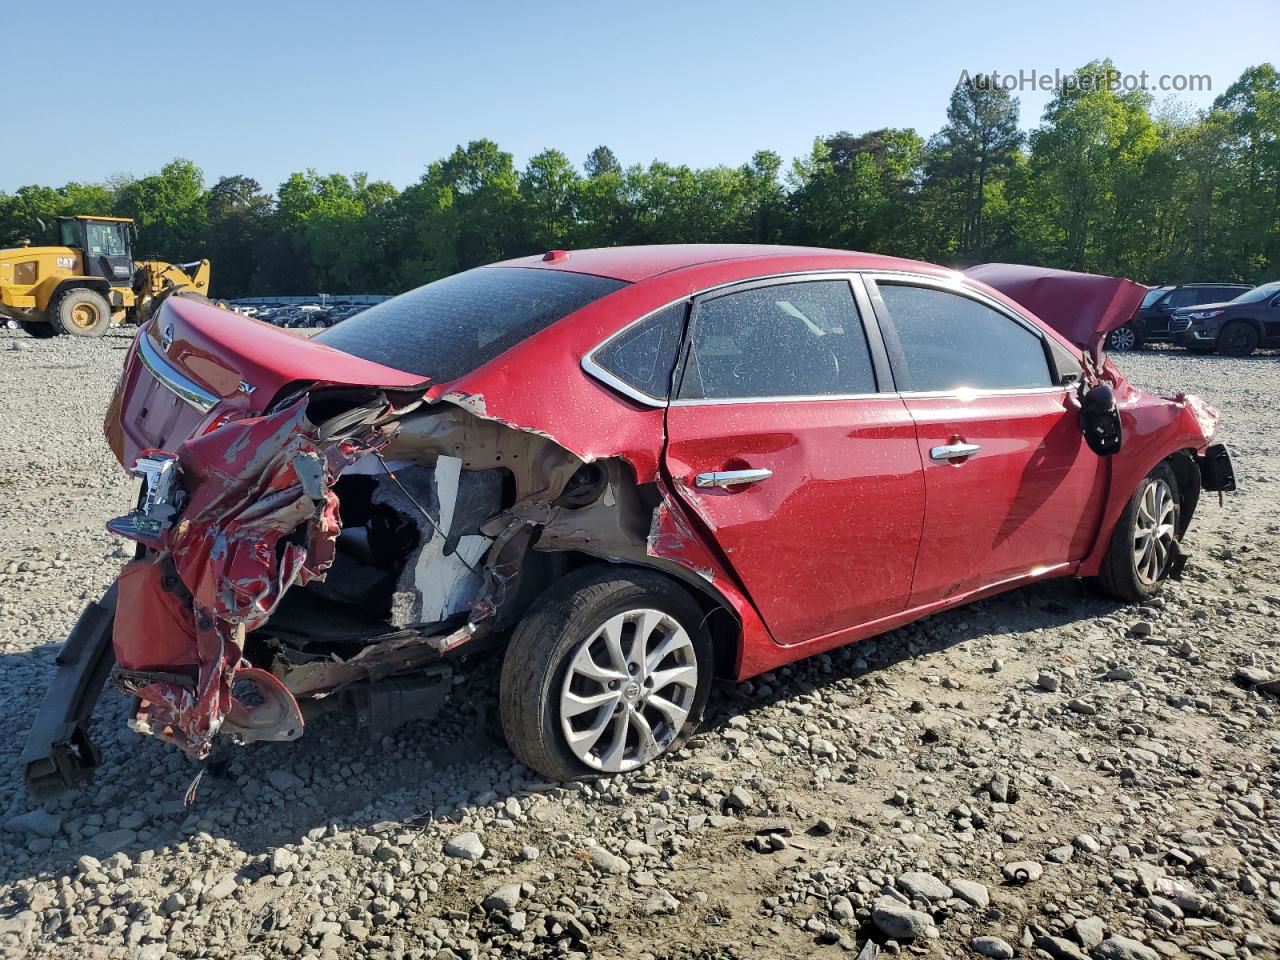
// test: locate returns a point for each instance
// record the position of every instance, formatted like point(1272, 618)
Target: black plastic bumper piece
point(59, 754)
point(1216, 472)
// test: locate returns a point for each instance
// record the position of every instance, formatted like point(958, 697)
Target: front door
point(808, 477)
point(106, 252)
point(1011, 487)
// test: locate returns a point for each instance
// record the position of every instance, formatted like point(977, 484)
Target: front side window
point(950, 342)
point(1189, 296)
point(453, 326)
point(780, 340)
point(105, 240)
point(1154, 295)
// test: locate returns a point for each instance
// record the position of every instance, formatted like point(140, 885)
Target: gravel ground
point(1041, 774)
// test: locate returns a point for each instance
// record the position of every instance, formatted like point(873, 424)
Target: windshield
point(1154, 295)
point(451, 327)
point(1264, 292)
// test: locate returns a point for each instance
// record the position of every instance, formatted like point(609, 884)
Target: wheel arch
point(718, 613)
point(97, 284)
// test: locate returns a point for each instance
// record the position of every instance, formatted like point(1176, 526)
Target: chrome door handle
point(954, 451)
point(731, 478)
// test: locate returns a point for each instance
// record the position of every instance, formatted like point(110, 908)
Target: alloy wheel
point(1153, 531)
point(628, 690)
point(1123, 338)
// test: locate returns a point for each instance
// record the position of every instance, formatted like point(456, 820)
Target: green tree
point(168, 208)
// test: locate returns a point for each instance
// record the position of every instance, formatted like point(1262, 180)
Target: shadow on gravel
point(268, 795)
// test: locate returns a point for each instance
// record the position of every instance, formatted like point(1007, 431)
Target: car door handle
point(954, 451)
point(731, 478)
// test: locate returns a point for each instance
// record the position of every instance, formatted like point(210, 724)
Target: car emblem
point(166, 338)
point(246, 387)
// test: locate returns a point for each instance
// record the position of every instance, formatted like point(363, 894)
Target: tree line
point(1104, 183)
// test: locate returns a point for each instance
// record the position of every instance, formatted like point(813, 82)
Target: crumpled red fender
point(261, 516)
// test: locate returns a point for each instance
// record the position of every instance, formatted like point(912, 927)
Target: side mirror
point(1100, 420)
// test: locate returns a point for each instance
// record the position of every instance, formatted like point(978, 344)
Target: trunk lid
point(194, 364)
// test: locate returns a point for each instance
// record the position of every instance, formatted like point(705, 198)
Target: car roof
point(635, 263)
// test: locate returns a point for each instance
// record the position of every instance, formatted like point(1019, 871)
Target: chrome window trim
point(953, 284)
point(720, 401)
point(168, 376)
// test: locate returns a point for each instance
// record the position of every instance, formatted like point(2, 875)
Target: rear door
point(1011, 488)
point(788, 444)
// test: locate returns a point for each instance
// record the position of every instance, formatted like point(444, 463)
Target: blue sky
point(270, 87)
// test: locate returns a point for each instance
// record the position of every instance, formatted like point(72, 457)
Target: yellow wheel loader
point(90, 281)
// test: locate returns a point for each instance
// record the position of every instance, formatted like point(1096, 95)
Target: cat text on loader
point(90, 281)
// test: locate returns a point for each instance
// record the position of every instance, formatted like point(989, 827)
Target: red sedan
point(626, 469)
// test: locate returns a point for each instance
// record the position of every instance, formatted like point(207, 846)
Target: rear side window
point(644, 355)
point(950, 342)
point(451, 327)
point(780, 340)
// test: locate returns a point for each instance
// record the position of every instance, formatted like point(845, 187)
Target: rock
point(739, 798)
point(998, 788)
point(1251, 676)
point(1022, 871)
point(221, 889)
point(465, 846)
point(284, 781)
point(661, 903)
point(607, 862)
point(637, 848)
point(1086, 844)
point(971, 892)
point(842, 910)
point(1059, 948)
point(35, 822)
point(1122, 948)
point(897, 920)
point(992, 947)
point(1047, 682)
point(1089, 931)
point(112, 840)
point(282, 861)
point(504, 898)
point(1082, 707)
point(924, 886)
point(822, 748)
point(1061, 854)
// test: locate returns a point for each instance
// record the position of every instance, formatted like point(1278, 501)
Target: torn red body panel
point(260, 516)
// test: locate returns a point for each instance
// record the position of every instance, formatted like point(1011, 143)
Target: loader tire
point(80, 312)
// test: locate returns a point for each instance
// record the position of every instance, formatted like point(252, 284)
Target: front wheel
point(1145, 540)
point(1238, 339)
point(609, 670)
point(1124, 339)
point(81, 312)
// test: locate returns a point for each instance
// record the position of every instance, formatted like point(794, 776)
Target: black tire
point(1238, 338)
point(38, 329)
point(541, 651)
point(80, 312)
point(1119, 577)
point(1123, 339)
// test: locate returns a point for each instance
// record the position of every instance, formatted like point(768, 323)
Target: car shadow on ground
point(269, 795)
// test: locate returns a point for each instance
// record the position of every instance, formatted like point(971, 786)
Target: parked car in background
point(1234, 328)
point(1151, 322)
point(624, 470)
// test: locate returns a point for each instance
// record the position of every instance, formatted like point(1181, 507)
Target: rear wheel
point(1238, 339)
point(81, 312)
point(609, 670)
point(1144, 543)
point(1123, 339)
